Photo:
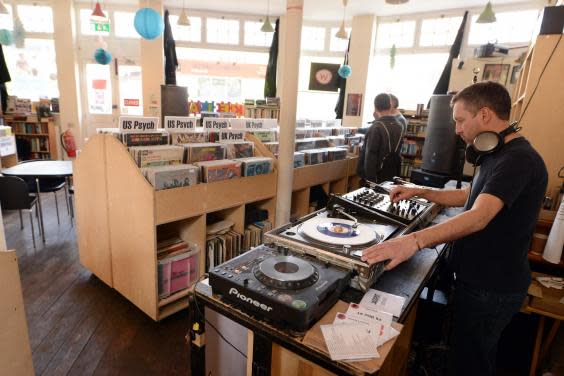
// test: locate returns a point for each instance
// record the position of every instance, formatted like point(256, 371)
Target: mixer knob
point(245, 281)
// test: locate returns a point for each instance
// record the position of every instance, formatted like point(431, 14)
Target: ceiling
point(329, 10)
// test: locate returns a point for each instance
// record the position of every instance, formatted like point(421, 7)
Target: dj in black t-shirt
point(496, 257)
point(491, 236)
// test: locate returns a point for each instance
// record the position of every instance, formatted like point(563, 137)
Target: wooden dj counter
point(271, 351)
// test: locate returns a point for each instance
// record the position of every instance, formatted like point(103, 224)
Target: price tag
point(179, 123)
point(138, 124)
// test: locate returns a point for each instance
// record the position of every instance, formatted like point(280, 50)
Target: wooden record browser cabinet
point(120, 216)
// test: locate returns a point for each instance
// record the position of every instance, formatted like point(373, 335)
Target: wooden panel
point(8, 161)
point(91, 199)
point(285, 362)
point(132, 229)
point(235, 214)
point(542, 122)
point(339, 186)
point(308, 176)
point(52, 137)
point(300, 203)
point(352, 166)
point(15, 352)
point(179, 203)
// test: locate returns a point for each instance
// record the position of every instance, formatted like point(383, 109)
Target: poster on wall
point(323, 77)
point(354, 103)
point(496, 73)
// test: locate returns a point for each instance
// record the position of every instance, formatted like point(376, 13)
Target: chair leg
point(32, 229)
point(21, 220)
point(67, 199)
point(37, 217)
point(57, 207)
point(71, 209)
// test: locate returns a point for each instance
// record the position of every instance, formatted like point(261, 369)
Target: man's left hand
point(396, 250)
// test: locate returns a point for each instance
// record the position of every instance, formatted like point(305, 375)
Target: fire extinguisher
point(67, 141)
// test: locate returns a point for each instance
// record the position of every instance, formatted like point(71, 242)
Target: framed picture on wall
point(515, 74)
point(496, 73)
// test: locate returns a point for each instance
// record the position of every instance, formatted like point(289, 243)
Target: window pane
point(255, 37)
point(400, 33)
point(123, 25)
point(221, 75)
point(510, 27)
point(33, 69)
point(130, 90)
point(192, 33)
point(86, 27)
point(325, 101)
point(6, 20)
point(313, 38)
point(35, 18)
point(338, 44)
point(439, 31)
point(422, 71)
point(222, 31)
point(99, 88)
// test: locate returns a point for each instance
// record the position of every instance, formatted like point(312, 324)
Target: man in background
point(379, 158)
point(397, 114)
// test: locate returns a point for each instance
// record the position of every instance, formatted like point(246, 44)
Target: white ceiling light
point(487, 15)
point(183, 20)
point(342, 33)
point(267, 26)
point(396, 2)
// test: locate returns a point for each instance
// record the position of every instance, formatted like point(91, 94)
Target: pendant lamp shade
point(267, 26)
point(396, 2)
point(488, 15)
point(97, 13)
point(183, 20)
point(342, 33)
point(3, 9)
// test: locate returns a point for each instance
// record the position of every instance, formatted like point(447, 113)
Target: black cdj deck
point(291, 290)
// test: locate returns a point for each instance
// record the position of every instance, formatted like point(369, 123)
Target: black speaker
point(440, 150)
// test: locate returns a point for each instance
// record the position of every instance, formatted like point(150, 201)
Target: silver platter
point(286, 272)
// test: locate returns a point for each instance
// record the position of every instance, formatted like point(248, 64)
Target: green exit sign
point(101, 26)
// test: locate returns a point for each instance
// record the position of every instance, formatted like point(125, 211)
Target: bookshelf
point(40, 132)
point(539, 90)
point(412, 148)
point(120, 216)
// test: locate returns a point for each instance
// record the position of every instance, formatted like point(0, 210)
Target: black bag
point(390, 165)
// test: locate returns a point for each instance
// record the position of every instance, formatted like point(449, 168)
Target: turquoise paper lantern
point(102, 56)
point(344, 71)
point(6, 37)
point(148, 23)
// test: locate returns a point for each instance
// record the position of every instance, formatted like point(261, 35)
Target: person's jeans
point(479, 319)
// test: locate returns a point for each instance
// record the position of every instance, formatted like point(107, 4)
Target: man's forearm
point(450, 197)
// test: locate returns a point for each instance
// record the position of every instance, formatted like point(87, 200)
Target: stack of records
point(204, 152)
point(222, 243)
point(188, 137)
point(254, 234)
point(238, 149)
point(173, 176)
point(213, 171)
point(256, 166)
point(145, 139)
point(177, 266)
point(146, 156)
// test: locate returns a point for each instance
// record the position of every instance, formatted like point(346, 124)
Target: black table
point(407, 280)
point(39, 170)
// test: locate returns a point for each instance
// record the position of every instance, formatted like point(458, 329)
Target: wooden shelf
point(534, 257)
point(174, 297)
point(309, 176)
point(50, 137)
point(33, 134)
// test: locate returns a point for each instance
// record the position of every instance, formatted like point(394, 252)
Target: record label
point(338, 230)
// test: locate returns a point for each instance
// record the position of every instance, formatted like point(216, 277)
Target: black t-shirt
point(495, 258)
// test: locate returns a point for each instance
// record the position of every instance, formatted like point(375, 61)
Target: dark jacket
point(377, 145)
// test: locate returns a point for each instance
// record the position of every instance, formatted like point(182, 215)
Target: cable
point(539, 80)
point(214, 328)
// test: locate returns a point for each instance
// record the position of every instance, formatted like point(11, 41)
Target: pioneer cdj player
point(291, 290)
point(305, 265)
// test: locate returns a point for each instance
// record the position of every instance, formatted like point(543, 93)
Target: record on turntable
point(286, 272)
point(337, 231)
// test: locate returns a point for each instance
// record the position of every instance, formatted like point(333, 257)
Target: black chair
point(48, 185)
point(14, 195)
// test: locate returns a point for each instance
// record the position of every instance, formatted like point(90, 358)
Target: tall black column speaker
point(439, 150)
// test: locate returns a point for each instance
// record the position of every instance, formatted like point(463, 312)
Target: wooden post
point(152, 66)
point(291, 30)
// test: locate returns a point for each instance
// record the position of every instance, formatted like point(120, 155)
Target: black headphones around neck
point(488, 142)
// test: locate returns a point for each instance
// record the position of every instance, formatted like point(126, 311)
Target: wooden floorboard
point(77, 324)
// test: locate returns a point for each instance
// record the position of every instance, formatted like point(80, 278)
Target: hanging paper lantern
point(344, 71)
point(101, 43)
point(148, 23)
point(102, 56)
point(6, 37)
point(19, 34)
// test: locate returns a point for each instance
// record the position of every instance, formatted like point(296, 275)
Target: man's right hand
point(401, 192)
